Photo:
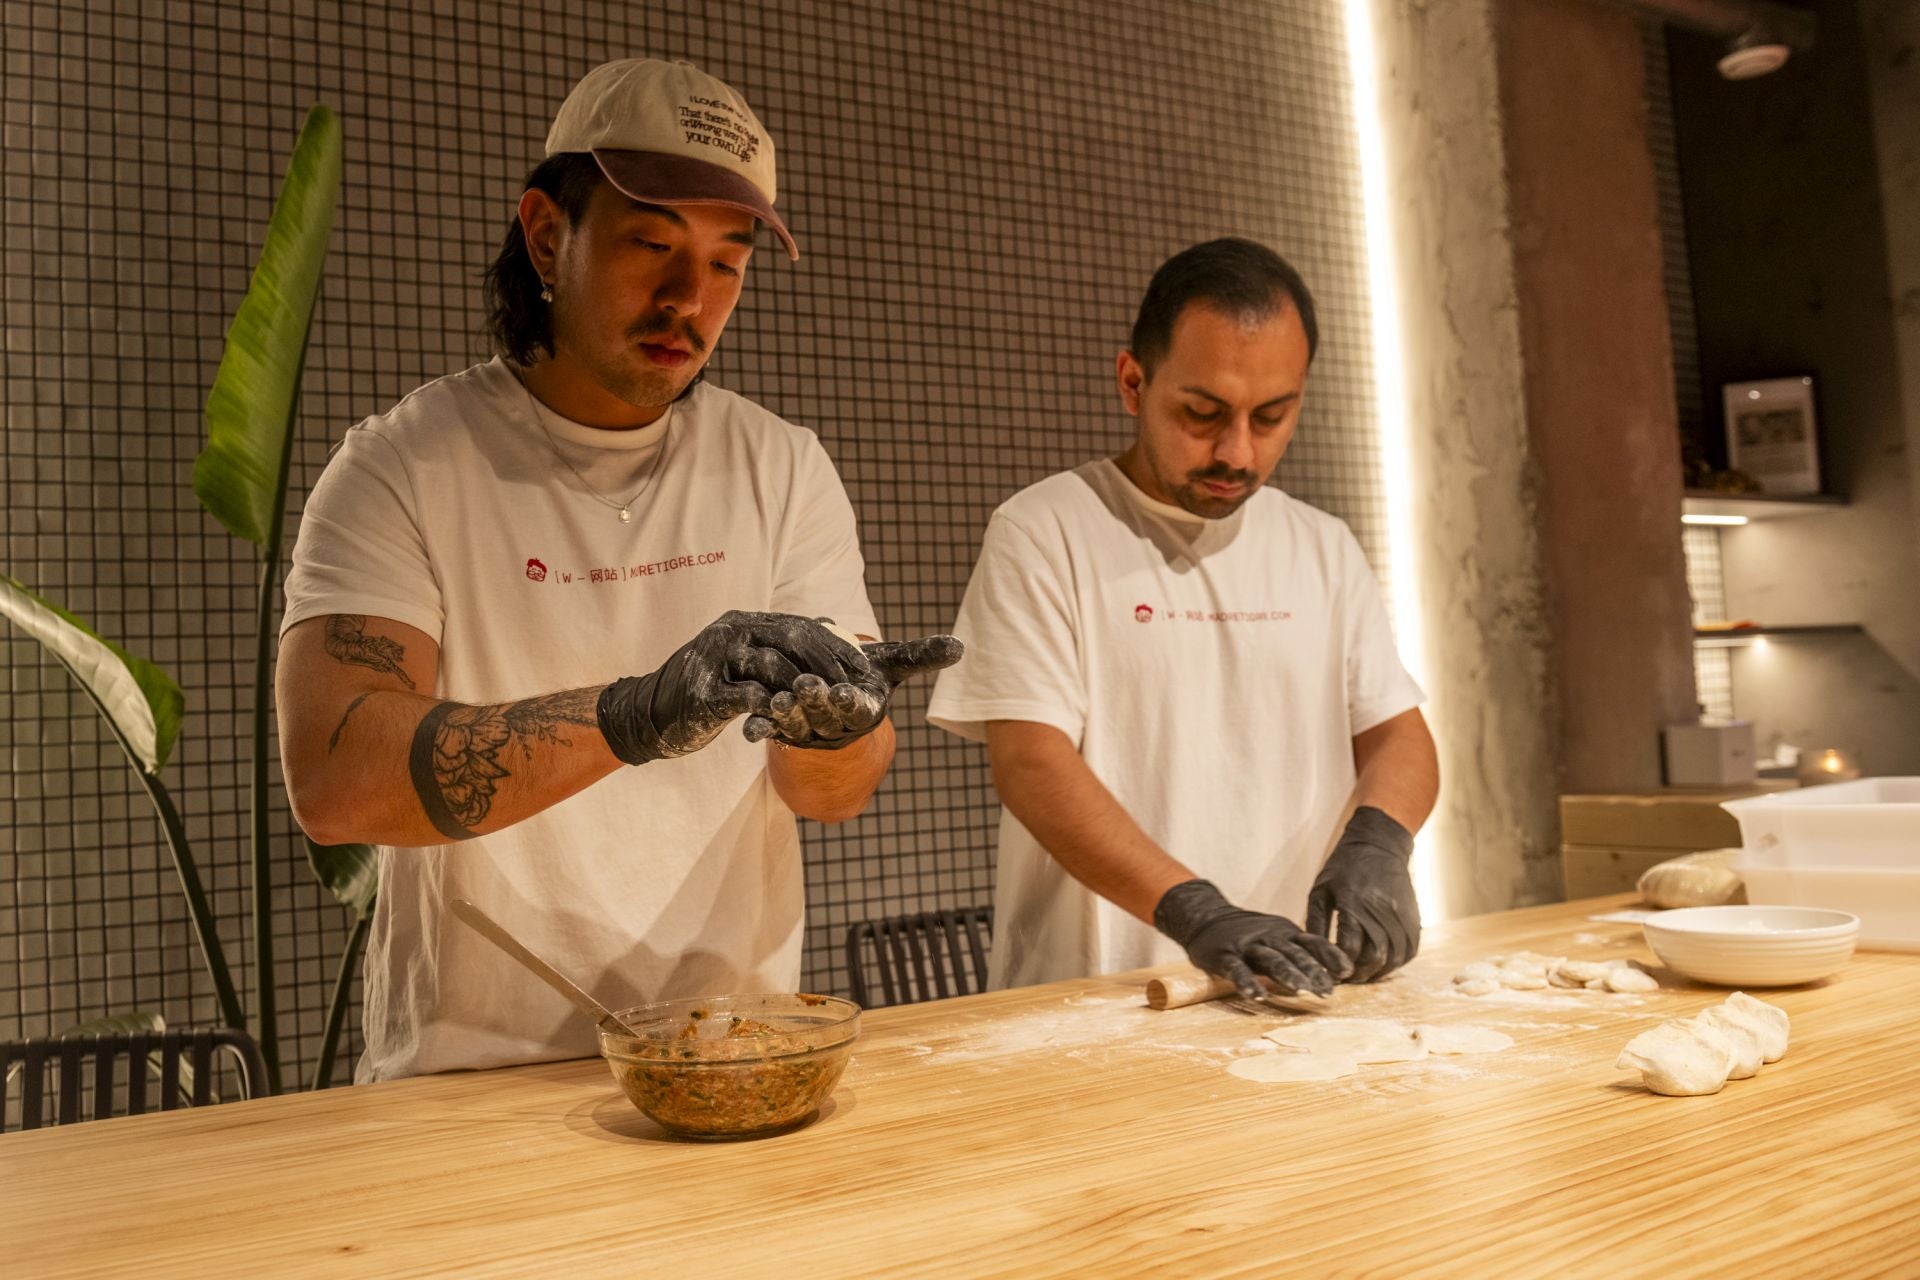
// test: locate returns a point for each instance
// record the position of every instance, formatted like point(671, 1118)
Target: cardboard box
point(1675, 821)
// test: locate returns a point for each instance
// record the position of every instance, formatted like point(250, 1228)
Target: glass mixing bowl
point(732, 1066)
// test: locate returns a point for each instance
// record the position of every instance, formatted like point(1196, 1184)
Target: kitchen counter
point(1057, 1130)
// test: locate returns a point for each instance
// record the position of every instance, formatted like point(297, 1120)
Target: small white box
point(1710, 753)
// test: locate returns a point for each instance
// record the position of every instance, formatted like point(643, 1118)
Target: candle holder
point(1830, 764)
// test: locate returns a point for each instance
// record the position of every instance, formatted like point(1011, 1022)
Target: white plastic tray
point(1870, 824)
point(1887, 900)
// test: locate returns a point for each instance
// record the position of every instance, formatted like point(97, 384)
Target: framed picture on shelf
point(1771, 434)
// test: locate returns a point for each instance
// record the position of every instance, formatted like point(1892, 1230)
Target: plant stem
point(184, 866)
point(265, 979)
point(337, 1006)
point(197, 908)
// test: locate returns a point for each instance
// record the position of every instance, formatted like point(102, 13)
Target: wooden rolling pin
point(1191, 986)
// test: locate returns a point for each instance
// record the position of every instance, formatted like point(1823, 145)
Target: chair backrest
point(173, 1068)
point(928, 956)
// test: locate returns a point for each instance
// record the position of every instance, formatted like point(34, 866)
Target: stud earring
point(546, 291)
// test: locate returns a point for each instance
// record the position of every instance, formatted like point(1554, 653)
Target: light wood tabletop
point(1064, 1130)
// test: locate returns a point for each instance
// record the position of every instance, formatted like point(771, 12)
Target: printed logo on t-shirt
point(1167, 613)
point(596, 575)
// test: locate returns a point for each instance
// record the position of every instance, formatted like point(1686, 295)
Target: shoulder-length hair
point(518, 322)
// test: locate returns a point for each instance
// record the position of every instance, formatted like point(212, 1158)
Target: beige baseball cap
point(669, 133)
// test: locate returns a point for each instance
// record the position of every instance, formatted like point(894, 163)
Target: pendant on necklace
point(626, 517)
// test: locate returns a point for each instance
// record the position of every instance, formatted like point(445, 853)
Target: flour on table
point(1278, 1068)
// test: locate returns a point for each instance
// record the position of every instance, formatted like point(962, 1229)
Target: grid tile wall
point(1706, 582)
point(981, 191)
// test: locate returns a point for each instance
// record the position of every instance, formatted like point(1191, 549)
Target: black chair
point(183, 1061)
point(928, 956)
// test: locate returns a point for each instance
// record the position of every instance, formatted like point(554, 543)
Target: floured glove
point(825, 715)
point(1366, 882)
point(734, 667)
point(1244, 946)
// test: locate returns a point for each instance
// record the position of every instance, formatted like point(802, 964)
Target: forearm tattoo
point(347, 642)
point(458, 752)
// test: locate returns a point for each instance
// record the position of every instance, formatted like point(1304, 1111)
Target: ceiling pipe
point(1760, 34)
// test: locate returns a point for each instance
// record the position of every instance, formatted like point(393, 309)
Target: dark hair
point(1245, 280)
point(518, 322)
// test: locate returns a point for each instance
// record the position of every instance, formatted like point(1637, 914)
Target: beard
point(1189, 496)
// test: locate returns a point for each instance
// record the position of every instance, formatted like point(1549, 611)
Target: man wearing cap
point(1193, 708)
point(575, 557)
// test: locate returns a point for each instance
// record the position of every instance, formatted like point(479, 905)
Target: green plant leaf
point(140, 702)
point(119, 1024)
point(351, 873)
point(240, 475)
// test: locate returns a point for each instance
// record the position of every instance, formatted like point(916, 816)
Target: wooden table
point(1062, 1130)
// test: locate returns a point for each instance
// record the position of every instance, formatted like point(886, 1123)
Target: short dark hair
point(521, 325)
point(1245, 280)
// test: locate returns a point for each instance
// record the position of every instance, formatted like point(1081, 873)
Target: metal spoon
point(483, 924)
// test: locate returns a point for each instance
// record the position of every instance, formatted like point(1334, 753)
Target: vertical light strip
point(1389, 382)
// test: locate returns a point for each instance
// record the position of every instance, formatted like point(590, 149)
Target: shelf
point(1747, 635)
point(1697, 502)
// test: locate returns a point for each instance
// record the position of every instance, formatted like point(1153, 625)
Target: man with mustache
point(1194, 712)
point(528, 600)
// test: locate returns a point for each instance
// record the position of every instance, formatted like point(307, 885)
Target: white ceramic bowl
point(1753, 946)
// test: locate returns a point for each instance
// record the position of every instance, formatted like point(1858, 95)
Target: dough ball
point(1679, 1060)
point(1743, 1036)
point(1361, 1039)
point(1278, 1068)
point(1597, 984)
point(1628, 978)
point(1580, 972)
point(1693, 880)
point(1560, 978)
point(1478, 969)
point(1523, 979)
point(1477, 986)
point(1462, 1039)
point(1769, 1022)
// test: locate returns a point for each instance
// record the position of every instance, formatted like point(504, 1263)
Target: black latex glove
point(1243, 946)
point(1367, 883)
point(732, 668)
point(821, 715)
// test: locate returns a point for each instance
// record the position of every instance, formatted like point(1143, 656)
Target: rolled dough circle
point(1278, 1068)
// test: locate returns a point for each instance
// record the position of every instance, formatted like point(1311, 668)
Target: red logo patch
point(1143, 613)
point(536, 570)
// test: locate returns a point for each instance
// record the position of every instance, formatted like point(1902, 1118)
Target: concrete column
point(1890, 38)
point(1598, 383)
point(1495, 836)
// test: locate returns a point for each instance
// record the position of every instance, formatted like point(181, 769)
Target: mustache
point(662, 326)
point(1221, 473)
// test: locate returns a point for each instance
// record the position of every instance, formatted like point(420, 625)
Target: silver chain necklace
point(624, 508)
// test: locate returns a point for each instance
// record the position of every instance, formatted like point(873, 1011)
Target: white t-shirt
point(1212, 673)
point(453, 514)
